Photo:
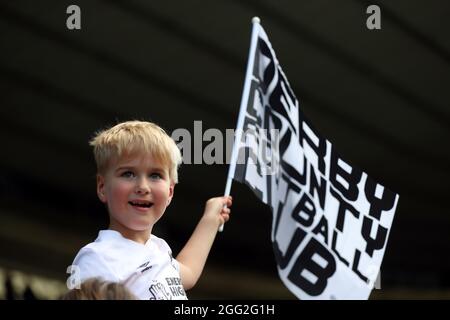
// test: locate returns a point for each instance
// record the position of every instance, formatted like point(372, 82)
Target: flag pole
point(244, 101)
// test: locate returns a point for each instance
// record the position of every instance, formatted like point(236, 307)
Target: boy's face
point(137, 190)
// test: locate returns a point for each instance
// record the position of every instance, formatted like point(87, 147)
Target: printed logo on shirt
point(145, 266)
point(176, 287)
point(159, 292)
point(172, 289)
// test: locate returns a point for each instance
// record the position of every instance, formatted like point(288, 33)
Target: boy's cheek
point(118, 193)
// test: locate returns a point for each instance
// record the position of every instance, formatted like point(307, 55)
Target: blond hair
point(96, 289)
point(130, 137)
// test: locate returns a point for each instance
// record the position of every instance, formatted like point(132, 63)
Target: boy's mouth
point(141, 203)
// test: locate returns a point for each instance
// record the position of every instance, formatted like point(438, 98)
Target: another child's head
point(137, 165)
point(95, 289)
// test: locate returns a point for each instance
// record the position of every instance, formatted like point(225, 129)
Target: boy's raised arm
point(193, 256)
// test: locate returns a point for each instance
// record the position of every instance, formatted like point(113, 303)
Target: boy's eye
point(127, 174)
point(155, 176)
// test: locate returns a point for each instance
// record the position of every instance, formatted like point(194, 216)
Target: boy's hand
point(217, 209)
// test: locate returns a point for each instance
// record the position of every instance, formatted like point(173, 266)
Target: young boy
point(137, 166)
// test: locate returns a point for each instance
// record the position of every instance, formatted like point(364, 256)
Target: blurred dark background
point(380, 96)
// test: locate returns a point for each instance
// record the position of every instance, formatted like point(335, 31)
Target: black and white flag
point(330, 221)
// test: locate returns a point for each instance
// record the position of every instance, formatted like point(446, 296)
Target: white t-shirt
point(147, 270)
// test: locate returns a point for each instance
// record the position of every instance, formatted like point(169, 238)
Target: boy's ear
point(171, 191)
point(101, 188)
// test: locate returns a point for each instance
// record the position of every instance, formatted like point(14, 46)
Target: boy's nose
point(142, 187)
point(140, 190)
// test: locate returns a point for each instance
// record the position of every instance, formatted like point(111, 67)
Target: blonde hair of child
point(131, 137)
point(96, 289)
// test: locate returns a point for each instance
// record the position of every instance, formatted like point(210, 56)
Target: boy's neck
point(137, 236)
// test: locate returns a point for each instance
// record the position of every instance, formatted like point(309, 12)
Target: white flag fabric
point(330, 221)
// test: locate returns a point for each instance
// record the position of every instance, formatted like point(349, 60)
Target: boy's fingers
point(228, 200)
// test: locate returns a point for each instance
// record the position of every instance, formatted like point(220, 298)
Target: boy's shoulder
point(105, 243)
point(104, 238)
point(109, 257)
point(160, 243)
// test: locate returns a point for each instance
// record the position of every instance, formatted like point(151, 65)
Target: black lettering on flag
point(288, 93)
point(241, 164)
point(252, 118)
point(380, 239)
point(268, 73)
point(305, 262)
point(282, 91)
point(343, 208)
point(333, 247)
point(322, 229)
point(355, 266)
point(320, 149)
point(277, 124)
point(290, 186)
point(280, 94)
point(378, 205)
point(306, 206)
point(314, 185)
point(296, 240)
point(287, 168)
point(352, 178)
